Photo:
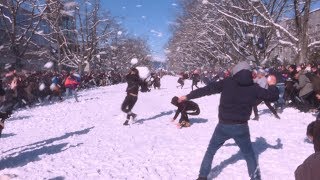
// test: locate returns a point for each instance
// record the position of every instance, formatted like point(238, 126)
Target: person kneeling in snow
point(185, 108)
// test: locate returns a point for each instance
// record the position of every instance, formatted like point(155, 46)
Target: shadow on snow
point(259, 146)
point(32, 152)
point(165, 113)
point(198, 120)
point(7, 135)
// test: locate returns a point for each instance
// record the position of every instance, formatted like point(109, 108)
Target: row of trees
point(220, 32)
point(74, 34)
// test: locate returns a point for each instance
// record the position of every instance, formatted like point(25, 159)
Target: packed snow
point(144, 72)
point(134, 61)
point(42, 86)
point(86, 140)
point(48, 65)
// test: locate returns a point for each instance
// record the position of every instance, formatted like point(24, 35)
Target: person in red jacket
point(71, 83)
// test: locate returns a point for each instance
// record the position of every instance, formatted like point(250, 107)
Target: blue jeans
point(281, 102)
point(73, 92)
point(241, 135)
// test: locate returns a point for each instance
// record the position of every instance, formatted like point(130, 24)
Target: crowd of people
point(299, 85)
point(27, 88)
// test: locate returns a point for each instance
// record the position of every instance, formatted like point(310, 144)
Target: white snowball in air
point(134, 61)
point(119, 33)
point(42, 86)
point(76, 75)
point(48, 65)
point(53, 86)
point(143, 72)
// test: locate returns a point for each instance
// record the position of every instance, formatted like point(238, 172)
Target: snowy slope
point(87, 140)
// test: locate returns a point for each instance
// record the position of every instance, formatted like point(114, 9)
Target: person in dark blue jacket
point(238, 95)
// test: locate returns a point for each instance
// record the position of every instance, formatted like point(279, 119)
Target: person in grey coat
point(305, 88)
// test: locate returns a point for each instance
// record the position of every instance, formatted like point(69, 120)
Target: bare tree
point(20, 21)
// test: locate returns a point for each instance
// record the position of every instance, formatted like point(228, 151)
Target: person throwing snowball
point(238, 95)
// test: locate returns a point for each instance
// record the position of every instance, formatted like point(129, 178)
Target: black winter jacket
point(187, 106)
point(238, 95)
point(134, 83)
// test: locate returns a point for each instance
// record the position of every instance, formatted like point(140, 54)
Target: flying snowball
point(53, 86)
point(134, 61)
point(119, 33)
point(205, 2)
point(48, 65)
point(143, 72)
point(42, 86)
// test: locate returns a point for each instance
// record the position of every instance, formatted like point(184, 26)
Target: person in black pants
point(134, 82)
point(195, 79)
point(7, 101)
point(185, 108)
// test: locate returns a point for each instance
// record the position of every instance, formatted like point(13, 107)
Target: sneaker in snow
point(126, 123)
point(187, 124)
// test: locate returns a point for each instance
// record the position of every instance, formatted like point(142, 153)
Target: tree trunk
point(18, 64)
point(303, 35)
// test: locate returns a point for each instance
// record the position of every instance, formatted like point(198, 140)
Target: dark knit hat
point(174, 100)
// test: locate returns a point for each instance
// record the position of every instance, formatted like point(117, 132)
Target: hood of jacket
point(244, 77)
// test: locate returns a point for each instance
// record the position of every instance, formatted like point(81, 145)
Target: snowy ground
point(87, 140)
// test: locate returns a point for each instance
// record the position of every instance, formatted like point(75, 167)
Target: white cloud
point(172, 23)
point(139, 5)
point(159, 58)
point(174, 4)
point(157, 33)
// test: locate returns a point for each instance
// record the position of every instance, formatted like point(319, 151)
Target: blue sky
point(149, 19)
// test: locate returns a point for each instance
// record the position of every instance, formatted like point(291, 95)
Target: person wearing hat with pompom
point(238, 94)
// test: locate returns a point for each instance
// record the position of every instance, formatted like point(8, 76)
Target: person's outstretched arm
point(177, 114)
point(211, 88)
